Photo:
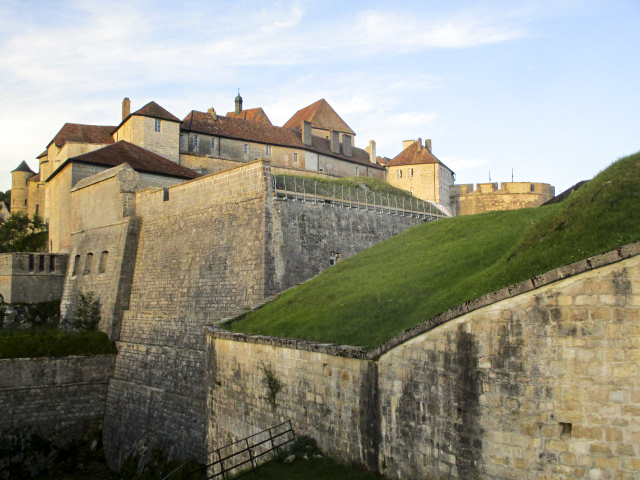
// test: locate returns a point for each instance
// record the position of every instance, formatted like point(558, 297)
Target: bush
point(87, 314)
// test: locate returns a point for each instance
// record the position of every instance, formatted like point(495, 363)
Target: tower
point(238, 102)
point(20, 188)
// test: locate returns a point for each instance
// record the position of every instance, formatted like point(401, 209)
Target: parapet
point(503, 188)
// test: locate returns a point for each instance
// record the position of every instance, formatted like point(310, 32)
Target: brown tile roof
point(253, 115)
point(152, 109)
point(138, 158)
point(77, 132)
point(321, 115)
point(414, 154)
point(239, 129)
point(43, 154)
point(34, 178)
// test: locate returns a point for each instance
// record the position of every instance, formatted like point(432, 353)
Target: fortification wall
point(52, 400)
point(545, 384)
point(488, 197)
point(31, 277)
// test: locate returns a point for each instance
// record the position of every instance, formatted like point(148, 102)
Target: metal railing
point(301, 189)
point(250, 452)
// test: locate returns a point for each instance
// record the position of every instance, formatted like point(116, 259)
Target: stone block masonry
point(538, 385)
point(57, 399)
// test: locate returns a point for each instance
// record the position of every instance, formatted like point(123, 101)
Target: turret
point(238, 103)
point(20, 188)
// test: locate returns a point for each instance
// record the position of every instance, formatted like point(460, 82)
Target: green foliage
point(22, 233)
point(271, 383)
point(87, 313)
point(6, 197)
point(375, 295)
point(46, 342)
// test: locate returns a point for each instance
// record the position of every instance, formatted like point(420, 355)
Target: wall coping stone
point(581, 266)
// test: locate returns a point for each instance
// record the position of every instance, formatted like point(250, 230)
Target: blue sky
point(548, 88)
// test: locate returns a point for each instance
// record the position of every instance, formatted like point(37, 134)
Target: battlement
point(32, 277)
point(489, 197)
point(504, 188)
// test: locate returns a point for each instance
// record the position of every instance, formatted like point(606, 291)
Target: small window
point(157, 125)
point(41, 263)
point(195, 141)
point(295, 158)
point(411, 172)
point(181, 142)
point(87, 264)
point(268, 150)
point(398, 173)
point(103, 262)
point(37, 209)
point(25, 202)
point(532, 187)
point(244, 148)
point(165, 194)
point(31, 263)
point(52, 263)
point(76, 265)
point(213, 143)
point(357, 171)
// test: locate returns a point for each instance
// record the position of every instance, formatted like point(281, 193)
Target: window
point(268, 150)
point(157, 125)
point(31, 263)
point(37, 209)
point(295, 158)
point(532, 187)
point(52, 263)
point(398, 173)
point(41, 263)
point(244, 148)
point(87, 264)
point(411, 172)
point(181, 142)
point(103, 262)
point(195, 141)
point(25, 202)
point(76, 265)
point(357, 171)
point(213, 143)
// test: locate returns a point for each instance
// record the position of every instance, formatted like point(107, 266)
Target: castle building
point(488, 197)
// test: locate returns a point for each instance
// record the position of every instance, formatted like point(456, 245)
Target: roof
point(253, 115)
point(23, 167)
point(77, 132)
point(43, 154)
point(236, 128)
point(34, 178)
point(152, 109)
point(321, 115)
point(414, 154)
point(138, 158)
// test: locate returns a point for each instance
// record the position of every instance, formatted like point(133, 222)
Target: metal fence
point(308, 190)
point(242, 457)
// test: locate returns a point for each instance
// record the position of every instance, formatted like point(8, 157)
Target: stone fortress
point(177, 225)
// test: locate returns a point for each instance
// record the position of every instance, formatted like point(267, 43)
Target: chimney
point(427, 144)
point(419, 144)
point(371, 150)
point(346, 145)
point(334, 141)
point(212, 112)
point(126, 107)
point(407, 143)
point(306, 133)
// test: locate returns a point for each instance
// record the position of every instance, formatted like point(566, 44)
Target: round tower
point(20, 188)
point(238, 102)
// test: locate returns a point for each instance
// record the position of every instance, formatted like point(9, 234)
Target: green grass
point(430, 268)
point(46, 342)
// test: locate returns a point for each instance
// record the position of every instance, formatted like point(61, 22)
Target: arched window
point(103, 262)
point(87, 264)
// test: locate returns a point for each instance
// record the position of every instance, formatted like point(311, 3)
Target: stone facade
point(141, 131)
point(31, 277)
point(487, 197)
point(54, 399)
point(542, 384)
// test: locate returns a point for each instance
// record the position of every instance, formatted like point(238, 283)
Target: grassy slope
point(430, 268)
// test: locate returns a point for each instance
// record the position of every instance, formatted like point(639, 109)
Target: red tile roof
point(152, 109)
point(321, 115)
point(138, 158)
point(239, 129)
point(414, 154)
point(253, 115)
point(43, 154)
point(79, 133)
point(34, 178)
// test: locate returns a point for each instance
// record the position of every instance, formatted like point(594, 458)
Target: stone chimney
point(419, 141)
point(306, 133)
point(126, 107)
point(334, 140)
point(427, 144)
point(371, 150)
point(346, 145)
point(212, 112)
point(407, 143)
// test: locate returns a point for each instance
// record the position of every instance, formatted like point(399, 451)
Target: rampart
point(32, 277)
point(48, 400)
point(539, 380)
point(487, 197)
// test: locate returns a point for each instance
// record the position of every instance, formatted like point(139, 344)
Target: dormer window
point(157, 125)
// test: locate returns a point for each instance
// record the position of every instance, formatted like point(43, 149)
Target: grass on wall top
point(428, 269)
point(51, 342)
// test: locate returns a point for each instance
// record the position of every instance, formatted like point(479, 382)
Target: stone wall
point(54, 400)
point(541, 384)
point(31, 277)
point(487, 197)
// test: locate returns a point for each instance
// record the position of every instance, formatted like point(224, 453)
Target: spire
point(238, 102)
point(23, 167)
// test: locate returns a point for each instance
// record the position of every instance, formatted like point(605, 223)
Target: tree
point(6, 197)
point(21, 233)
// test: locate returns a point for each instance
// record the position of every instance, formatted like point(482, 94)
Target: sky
point(548, 90)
